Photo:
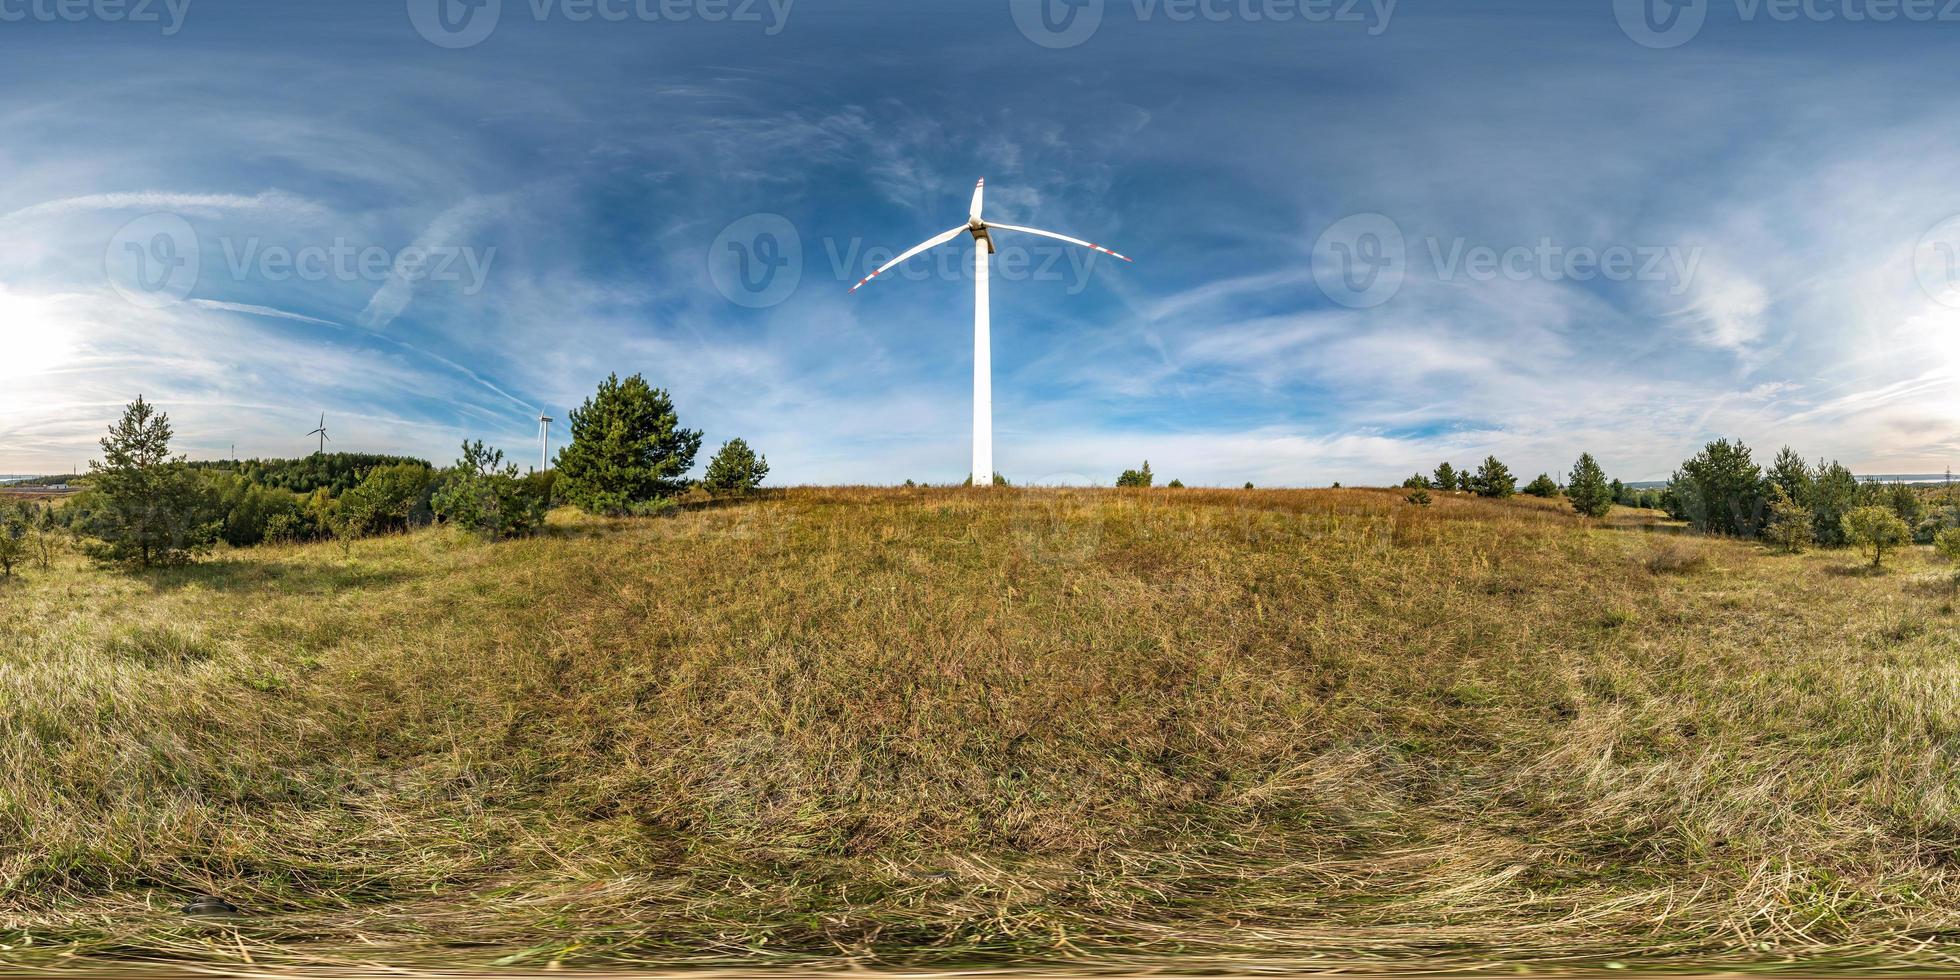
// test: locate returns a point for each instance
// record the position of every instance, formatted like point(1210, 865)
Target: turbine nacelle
point(978, 229)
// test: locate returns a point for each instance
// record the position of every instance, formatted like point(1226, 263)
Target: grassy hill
point(946, 726)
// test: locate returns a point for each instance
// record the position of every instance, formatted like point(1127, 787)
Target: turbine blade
point(1063, 238)
point(933, 242)
point(979, 191)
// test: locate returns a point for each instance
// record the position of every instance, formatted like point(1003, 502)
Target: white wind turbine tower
point(544, 443)
point(983, 384)
point(322, 433)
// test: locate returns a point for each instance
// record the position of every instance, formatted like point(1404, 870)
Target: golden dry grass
point(937, 726)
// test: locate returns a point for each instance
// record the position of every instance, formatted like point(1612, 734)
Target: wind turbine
point(544, 443)
point(983, 384)
point(322, 433)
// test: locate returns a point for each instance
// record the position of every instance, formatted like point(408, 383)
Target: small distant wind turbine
point(983, 384)
point(544, 443)
point(322, 433)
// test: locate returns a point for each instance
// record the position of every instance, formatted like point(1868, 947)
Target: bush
point(1874, 529)
point(388, 498)
point(736, 469)
point(1419, 497)
point(243, 510)
point(1676, 557)
point(13, 543)
point(1543, 486)
point(484, 494)
point(1136, 478)
point(1947, 543)
point(1175, 485)
point(1789, 525)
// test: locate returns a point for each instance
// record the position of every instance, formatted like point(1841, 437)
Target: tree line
point(143, 506)
point(1587, 487)
point(1792, 504)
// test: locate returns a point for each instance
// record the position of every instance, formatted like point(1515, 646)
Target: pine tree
point(1790, 472)
point(1136, 478)
point(1834, 492)
point(146, 507)
point(627, 448)
point(1789, 525)
point(1721, 489)
point(735, 469)
point(1587, 488)
point(1493, 479)
point(1445, 477)
point(1905, 502)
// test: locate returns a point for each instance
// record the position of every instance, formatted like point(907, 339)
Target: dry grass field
point(941, 726)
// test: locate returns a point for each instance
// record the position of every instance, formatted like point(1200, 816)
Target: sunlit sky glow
point(590, 169)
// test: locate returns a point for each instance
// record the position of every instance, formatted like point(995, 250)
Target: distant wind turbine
point(322, 433)
point(544, 443)
point(983, 385)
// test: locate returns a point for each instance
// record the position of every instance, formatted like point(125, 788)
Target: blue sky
point(1606, 243)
